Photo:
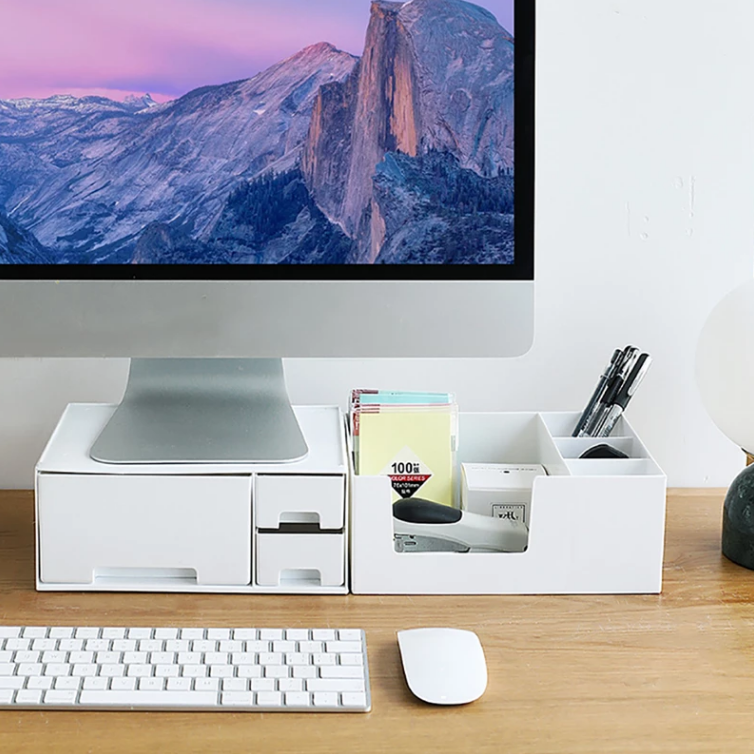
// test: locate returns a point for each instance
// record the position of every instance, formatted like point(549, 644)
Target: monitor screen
point(210, 186)
point(267, 139)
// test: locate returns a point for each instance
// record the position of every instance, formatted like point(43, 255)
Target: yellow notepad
point(414, 445)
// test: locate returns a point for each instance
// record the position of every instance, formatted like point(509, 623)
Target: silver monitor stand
point(203, 411)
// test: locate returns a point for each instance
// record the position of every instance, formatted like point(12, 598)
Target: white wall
point(645, 219)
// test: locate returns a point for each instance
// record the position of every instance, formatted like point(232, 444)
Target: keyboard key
point(62, 697)
point(96, 684)
point(6, 695)
point(61, 632)
point(87, 633)
point(218, 634)
point(7, 668)
point(323, 658)
point(124, 645)
point(270, 634)
point(283, 646)
point(12, 682)
point(150, 645)
point(269, 699)
point(71, 645)
point(342, 671)
point(179, 684)
point(297, 699)
point(35, 632)
point(108, 658)
point(194, 671)
point(29, 697)
point(10, 632)
point(123, 684)
point(147, 699)
point(135, 658)
point(350, 659)
point(157, 684)
point(262, 684)
point(276, 671)
point(245, 634)
point(68, 683)
point(323, 634)
point(325, 699)
point(139, 633)
point(112, 633)
point(40, 683)
point(44, 645)
point(221, 671)
point(166, 633)
point(192, 633)
point(177, 645)
point(249, 671)
point(304, 671)
point(30, 669)
point(311, 646)
point(84, 670)
point(112, 671)
point(97, 645)
point(77, 658)
point(290, 684)
point(233, 684)
point(57, 669)
point(31, 657)
point(297, 634)
point(139, 671)
point(162, 658)
point(213, 684)
point(349, 634)
point(354, 699)
point(344, 646)
point(236, 698)
point(328, 684)
point(167, 671)
point(18, 644)
point(231, 645)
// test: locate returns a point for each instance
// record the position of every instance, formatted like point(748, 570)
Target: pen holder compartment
point(596, 526)
point(574, 447)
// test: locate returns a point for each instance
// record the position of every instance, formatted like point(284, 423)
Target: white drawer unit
point(192, 528)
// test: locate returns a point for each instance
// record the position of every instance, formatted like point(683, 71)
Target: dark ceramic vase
point(738, 520)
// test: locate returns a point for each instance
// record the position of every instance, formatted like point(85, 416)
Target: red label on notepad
point(407, 485)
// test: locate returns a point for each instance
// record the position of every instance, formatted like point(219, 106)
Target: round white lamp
point(725, 376)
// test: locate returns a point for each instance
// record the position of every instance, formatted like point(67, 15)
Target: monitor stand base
point(203, 411)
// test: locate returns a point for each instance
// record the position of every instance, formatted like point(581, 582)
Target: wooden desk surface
point(670, 673)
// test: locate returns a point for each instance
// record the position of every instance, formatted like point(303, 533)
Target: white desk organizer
point(597, 526)
point(192, 528)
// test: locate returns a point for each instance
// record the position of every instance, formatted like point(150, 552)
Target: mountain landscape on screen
point(402, 155)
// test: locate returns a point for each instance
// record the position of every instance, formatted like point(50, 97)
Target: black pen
point(629, 356)
point(607, 375)
point(624, 395)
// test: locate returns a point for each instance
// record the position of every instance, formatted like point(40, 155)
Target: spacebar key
point(154, 699)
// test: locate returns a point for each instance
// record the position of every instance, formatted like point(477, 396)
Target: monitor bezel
point(522, 268)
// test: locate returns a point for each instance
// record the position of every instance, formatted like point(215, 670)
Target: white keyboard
point(222, 669)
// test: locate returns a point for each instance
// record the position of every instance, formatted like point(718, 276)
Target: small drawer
point(300, 559)
point(299, 499)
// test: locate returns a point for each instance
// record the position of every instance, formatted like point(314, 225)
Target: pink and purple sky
point(167, 47)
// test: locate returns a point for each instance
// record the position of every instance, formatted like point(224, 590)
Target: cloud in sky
point(166, 47)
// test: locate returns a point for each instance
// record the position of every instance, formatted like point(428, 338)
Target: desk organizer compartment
point(597, 525)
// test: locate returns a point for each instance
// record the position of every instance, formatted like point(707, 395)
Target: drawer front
point(144, 527)
point(299, 498)
point(305, 559)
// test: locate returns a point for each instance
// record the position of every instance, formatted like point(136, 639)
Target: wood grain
point(602, 674)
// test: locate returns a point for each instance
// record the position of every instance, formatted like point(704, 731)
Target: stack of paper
point(409, 437)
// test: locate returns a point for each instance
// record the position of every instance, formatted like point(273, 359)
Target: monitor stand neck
point(203, 411)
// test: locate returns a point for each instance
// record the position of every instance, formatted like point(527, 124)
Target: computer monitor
point(210, 187)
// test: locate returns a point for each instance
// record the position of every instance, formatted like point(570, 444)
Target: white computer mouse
point(443, 665)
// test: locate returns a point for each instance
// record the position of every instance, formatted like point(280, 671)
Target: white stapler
point(423, 526)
